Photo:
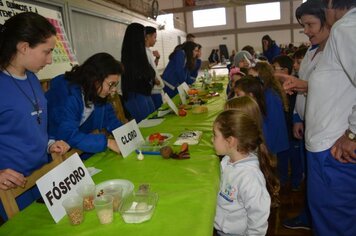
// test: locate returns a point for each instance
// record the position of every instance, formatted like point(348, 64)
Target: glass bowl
point(138, 207)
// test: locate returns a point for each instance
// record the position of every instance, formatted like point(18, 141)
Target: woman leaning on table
point(181, 62)
point(78, 106)
point(26, 44)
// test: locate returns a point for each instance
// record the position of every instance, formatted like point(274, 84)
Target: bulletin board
point(63, 56)
point(95, 33)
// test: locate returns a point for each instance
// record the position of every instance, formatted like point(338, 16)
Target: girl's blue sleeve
point(179, 63)
point(69, 129)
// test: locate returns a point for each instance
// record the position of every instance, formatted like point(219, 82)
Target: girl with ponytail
point(248, 187)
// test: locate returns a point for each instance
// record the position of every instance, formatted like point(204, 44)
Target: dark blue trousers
point(331, 195)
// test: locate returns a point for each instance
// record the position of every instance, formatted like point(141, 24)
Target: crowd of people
point(317, 103)
point(286, 110)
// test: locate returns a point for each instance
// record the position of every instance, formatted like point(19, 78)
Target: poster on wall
point(63, 56)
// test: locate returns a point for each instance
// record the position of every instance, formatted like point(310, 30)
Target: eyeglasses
point(112, 84)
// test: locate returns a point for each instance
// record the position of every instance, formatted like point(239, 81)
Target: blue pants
point(157, 100)
point(331, 194)
point(139, 106)
point(292, 155)
point(23, 200)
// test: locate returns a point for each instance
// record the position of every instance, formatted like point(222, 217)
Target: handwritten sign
point(182, 94)
point(128, 137)
point(170, 103)
point(62, 182)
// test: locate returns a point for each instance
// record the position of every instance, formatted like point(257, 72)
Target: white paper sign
point(128, 137)
point(185, 86)
point(62, 182)
point(170, 103)
point(182, 94)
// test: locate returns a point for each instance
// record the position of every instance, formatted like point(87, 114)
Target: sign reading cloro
point(128, 137)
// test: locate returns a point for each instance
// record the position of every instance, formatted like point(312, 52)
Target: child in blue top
point(274, 126)
point(77, 104)
point(26, 44)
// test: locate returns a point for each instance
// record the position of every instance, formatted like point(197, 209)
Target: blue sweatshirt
point(176, 73)
point(23, 141)
point(65, 110)
point(274, 124)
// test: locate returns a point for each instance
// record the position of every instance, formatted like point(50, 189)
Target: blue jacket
point(176, 73)
point(272, 52)
point(274, 124)
point(65, 111)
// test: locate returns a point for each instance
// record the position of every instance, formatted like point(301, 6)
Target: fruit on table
point(166, 152)
point(192, 91)
point(156, 138)
point(182, 112)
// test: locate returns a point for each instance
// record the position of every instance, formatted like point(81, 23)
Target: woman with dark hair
point(311, 16)
point(26, 44)
point(139, 77)
point(270, 48)
point(198, 62)
point(77, 104)
point(181, 62)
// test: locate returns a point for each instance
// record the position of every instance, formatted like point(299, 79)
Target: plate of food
point(158, 138)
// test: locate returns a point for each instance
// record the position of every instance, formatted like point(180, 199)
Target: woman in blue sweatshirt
point(181, 62)
point(26, 44)
point(77, 104)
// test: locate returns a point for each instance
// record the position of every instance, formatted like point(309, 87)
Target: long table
point(187, 189)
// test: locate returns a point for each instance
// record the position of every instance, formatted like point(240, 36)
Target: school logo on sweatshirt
point(229, 193)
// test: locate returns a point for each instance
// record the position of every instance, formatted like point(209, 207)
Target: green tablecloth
point(187, 189)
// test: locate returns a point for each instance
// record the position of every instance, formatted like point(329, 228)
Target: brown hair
point(233, 123)
point(254, 86)
point(245, 104)
point(266, 73)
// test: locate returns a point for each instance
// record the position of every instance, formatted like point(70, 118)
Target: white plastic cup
point(104, 208)
point(73, 206)
point(115, 190)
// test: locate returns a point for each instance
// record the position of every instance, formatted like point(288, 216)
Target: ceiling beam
point(230, 3)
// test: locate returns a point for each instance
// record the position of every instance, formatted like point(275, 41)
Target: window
point(209, 17)
point(263, 12)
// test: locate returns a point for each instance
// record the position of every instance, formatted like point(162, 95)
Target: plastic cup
point(104, 208)
point(87, 192)
point(73, 206)
point(115, 191)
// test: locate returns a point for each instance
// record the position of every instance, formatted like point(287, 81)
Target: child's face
point(253, 72)
point(239, 92)
point(220, 143)
point(151, 39)
point(296, 64)
point(278, 69)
